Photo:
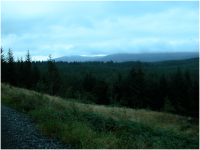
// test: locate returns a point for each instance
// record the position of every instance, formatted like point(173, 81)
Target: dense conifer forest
point(170, 86)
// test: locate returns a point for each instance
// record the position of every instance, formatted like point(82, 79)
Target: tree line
point(170, 86)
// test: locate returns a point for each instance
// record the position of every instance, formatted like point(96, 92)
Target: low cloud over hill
point(144, 57)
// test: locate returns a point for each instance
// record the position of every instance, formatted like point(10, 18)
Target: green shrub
point(51, 127)
point(168, 106)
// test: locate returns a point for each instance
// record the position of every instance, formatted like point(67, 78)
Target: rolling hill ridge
point(121, 57)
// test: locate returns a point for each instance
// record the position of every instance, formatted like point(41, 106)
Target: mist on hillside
point(121, 57)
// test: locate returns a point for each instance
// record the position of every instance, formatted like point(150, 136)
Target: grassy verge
point(89, 126)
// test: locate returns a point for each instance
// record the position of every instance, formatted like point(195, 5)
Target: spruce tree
point(132, 88)
point(137, 88)
point(111, 88)
point(152, 93)
point(35, 76)
point(143, 98)
point(53, 77)
point(194, 104)
point(177, 91)
point(11, 71)
point(187, 90)
point(89, 82)
point(163, 91)
point(119, 89)
point(20, 73)
point(3, 67)
point(100, 92)
point(27, 71)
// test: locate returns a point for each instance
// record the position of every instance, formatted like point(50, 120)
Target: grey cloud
point(92, 28)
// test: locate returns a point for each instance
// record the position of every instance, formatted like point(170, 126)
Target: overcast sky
point(64, 28)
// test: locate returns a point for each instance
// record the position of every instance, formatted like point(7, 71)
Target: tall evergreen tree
point(100, 91)
point(3, 67)
point(163, 89)
point(152, 93)
point(11, 71)
point(118, 90)
point(27, 70)
point(53, 77)
point(177, 90)
point(194, 104)
point(142, 88)
point(35, 76)
point(138, 90)
point(111, 88)
point(187, 89)
point(20, 73)
point(132, 88)
point(89, 82)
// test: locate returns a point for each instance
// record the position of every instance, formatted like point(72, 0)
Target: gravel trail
point(18, 132)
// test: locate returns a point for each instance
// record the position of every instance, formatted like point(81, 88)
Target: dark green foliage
point(178, 92)
point(132, 88)
point(20, 73)
point(27, 71)
point(53, 77)
point(168, 107)
point(3, 67)
point(11, 69)
point(194, 103)
point(35, 76)
point(119, 90)
point(142, 88)
point(138, 88)
point(100, 91)
point(171, 86)
point(41, 87)
point(88, 97)
point(163, 89)
point(154, 101)
point(89, 82)
point(95, 121)
point(134, 130)
point(26, 103)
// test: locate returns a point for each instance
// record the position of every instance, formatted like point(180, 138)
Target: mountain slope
point(149, 57)
point(76, 58)
point(144, 57)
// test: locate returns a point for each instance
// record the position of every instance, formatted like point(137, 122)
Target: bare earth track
point(19, 132)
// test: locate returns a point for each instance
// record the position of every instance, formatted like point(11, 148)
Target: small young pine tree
point(168, 105)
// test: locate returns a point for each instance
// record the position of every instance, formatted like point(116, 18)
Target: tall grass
point(94, 126)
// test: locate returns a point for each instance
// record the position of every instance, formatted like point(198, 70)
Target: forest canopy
point(170, 86)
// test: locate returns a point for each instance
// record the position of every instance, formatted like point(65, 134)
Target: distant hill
point(76, 58)
point(143, 57)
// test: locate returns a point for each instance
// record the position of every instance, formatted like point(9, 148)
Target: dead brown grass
point(154, 119)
